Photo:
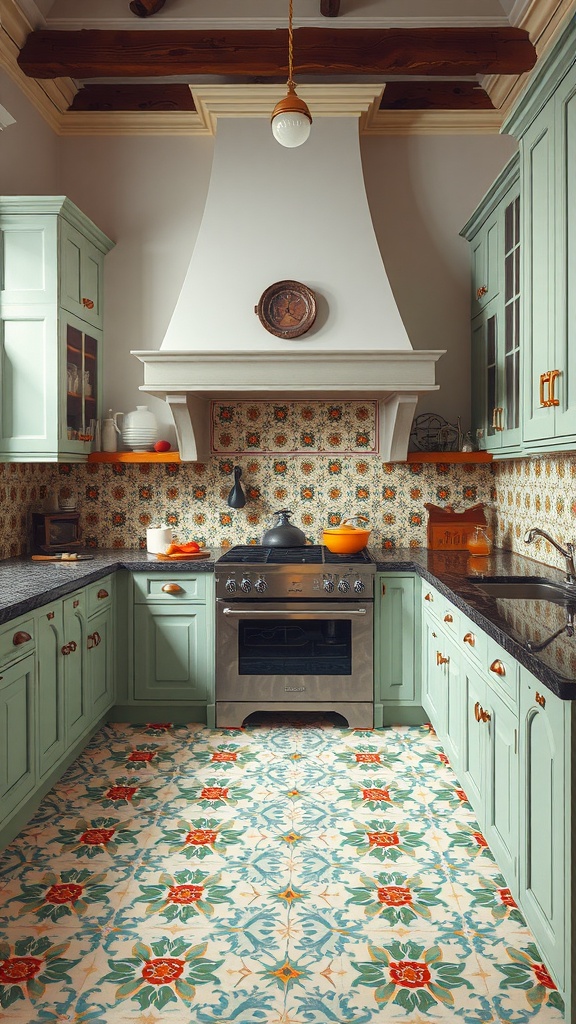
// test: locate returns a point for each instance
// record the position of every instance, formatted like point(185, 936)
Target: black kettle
point(284, 535)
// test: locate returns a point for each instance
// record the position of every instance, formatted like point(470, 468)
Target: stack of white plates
point(139, 439)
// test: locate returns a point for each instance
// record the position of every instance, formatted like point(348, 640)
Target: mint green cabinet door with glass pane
point(171, 652)
point(51, 723)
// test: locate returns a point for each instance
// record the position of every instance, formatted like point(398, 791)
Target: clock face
point(287, 309)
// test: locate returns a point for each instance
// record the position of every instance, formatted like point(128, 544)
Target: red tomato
point(162, 446)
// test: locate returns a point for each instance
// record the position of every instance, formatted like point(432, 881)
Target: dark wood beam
point(330, 8)
point(435, 96)
point(164, 96)
point(146, 8)
point(427, 51)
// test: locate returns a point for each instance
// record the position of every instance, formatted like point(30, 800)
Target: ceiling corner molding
point(324, 100)
point(432, 122)
point(132, 122)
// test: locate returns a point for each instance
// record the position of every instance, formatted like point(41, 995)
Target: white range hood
point(274, 214)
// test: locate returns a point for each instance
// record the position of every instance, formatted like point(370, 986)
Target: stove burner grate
point(311, 554)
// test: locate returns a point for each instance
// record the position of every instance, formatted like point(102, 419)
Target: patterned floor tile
point(291, 874)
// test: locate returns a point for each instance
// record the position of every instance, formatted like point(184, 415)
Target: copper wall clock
point(287, 309)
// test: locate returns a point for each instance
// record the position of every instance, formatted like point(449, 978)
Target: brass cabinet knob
point(172, 588)
point(75, 603)
point(20, 638)
point(90, 642)
point(540, 699)
point(428, 597)
point(481, 291)
point(440, 659)
point(477, 711)
point(66, 649)
point(448, 617)
point(498, 667)
point(97, 638)
point(102, 594)
point(480, 714)
point(469, 638)
point(88, 303)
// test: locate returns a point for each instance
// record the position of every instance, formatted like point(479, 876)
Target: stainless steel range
point(294, 631)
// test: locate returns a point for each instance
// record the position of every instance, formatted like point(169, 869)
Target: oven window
point(307, 647)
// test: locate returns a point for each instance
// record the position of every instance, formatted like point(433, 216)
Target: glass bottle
point(479, 542)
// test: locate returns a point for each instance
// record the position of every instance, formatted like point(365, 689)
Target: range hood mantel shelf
point(189, 380)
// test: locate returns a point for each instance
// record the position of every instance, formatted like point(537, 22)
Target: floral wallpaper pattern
point(117, 502)
point(294, 427)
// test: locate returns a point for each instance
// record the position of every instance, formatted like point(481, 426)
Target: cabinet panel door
point(394, 644)
point(76, 683)
point(100, 662)
point(565, 413)
point(502, 786)
point(17, 761)
point(29, 381)
point(171, 654)
point(434, 676)
point(455, 707)
point(539, 271)
point(543, 821)
point(51, 729)
point(81, 275)
point(474, 740)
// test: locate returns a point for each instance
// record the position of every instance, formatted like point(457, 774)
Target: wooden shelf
point(449, 457)
point(134, 457)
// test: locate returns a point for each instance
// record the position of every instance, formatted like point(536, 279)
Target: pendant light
point(291, 118)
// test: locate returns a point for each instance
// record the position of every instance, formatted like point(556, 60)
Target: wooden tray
point(58, 558)
point(184, 556)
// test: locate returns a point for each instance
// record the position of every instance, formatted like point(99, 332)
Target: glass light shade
point(291, 128)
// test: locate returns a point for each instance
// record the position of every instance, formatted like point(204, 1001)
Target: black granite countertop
point(511, 623)
point(26, 585)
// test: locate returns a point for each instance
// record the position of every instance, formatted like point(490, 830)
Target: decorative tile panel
point(252, 428)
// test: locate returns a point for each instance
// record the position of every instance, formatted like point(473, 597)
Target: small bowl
point(345, 540)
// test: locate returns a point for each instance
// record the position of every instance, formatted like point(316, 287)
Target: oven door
point(294, 651)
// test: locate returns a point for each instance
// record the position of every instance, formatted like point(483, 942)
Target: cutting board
point(58, 558)
point(184, 556)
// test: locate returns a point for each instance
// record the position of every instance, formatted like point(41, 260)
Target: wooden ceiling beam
point(427, 51)
point(435, 96)
point(163, 96)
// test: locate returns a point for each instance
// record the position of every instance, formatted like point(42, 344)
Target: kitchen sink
point(536, 589)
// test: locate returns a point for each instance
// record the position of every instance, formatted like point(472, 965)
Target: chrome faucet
point(568, 552)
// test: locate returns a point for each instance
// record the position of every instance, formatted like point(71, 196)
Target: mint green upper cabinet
point(50, 328)
point(494, 236)
point(396, 646)
point(545, 123)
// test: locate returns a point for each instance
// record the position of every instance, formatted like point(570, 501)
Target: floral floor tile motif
point(286, 873)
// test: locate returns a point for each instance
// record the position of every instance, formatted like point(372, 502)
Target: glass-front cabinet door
point(82, 347)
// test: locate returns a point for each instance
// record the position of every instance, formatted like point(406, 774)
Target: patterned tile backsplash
point(117, 502)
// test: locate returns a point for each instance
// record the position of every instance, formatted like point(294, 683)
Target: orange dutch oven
point(344, 539)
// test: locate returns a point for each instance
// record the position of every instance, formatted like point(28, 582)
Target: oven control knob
point(230, 586)
point(359, 586)
point(329, 586)
point(343, 586)
point(245, 586)
point(260, 585)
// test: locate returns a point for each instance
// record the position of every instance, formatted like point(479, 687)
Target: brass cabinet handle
point(552, 400)
point(498, 667)
point(544, 379)
point(66, 649)
point(440, 659)
point(72, 645)
point(497, 417)
point(75, 603)
point(102, 594)
point(481, 291)
point(540, 699)
point(97, 638)
point(88, 303)
point(20, 638)
point(480, 714)
point(90, 641)
point(172, 588)
point(49, 615)
point(428, 597)
point(448, 617)
point(469, 638)
point(434, 635)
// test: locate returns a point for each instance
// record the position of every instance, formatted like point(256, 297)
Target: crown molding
point(432, 122)
point(132, 122)
point(344, 21)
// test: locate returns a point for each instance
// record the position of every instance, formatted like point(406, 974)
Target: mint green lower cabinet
point(435, 665)
point(501, 806)
point(545, 823)
point(474, 746)
point(100, 662)
point(17, 728)
point(171, 652)
point(77, 712)
point(51, 724)
point(396, 649)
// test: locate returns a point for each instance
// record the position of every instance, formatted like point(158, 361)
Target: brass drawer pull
point(102, 594)
point(440, 659)
point(20, 638)
point(498, 667)
point(480, 714)
point(172, 588)
point(469, 638)
point(554, 374)
point(477, 711)
point(540, 699)
point(448, 617)
point(428, 597)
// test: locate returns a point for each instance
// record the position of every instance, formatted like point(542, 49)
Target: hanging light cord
point(290, 82)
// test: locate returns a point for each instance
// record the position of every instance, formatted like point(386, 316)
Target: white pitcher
point(110, 432)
